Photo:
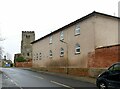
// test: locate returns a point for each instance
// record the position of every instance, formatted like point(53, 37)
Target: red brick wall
point(78, 71)
point(104, 57)
point(23, 64)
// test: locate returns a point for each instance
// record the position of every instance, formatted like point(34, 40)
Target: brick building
point(89, 42)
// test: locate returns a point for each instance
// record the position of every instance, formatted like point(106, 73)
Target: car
point(109, 79)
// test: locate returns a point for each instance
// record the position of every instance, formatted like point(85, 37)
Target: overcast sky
point(44, 16)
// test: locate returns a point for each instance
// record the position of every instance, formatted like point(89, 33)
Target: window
point(28, 54)
point(117, 67)
point(37, 56)
point(111, 68)
point(50, 53)
point(61, 52)
point(50, 39)
point(27, 36)
point(61, 35)
point(40, 56)
point(77, 30)
point(77, 48)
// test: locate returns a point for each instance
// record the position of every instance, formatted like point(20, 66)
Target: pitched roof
point(75, 22)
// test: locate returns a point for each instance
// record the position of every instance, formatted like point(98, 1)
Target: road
point(15, 78)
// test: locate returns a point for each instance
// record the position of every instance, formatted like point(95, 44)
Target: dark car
point(110, 79)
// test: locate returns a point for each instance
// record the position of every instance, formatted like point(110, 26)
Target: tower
point(26, 47)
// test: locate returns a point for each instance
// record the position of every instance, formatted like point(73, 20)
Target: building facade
point(91, 41)
point(26, 47)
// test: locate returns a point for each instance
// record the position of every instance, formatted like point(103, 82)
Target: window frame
point(61, 51)
point(76, 30)
point(50, 39)
point(50, 54)
point(61, 35)
point(77, 47)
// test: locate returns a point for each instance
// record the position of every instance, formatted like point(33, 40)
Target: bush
point(20, 59)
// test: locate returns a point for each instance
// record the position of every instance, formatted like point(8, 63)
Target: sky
point(43, 16)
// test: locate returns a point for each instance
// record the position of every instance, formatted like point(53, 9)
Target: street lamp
point(67, 55)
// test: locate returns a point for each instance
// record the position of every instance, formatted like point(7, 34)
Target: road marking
point(13, 82)
point(38, 77)
point(16, 84)
point(62, 84)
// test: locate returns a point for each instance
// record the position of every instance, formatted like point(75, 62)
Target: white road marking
point(14, 82)
point(38, 77)
point(61, 84)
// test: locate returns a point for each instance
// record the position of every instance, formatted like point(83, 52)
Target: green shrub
point(20, 59)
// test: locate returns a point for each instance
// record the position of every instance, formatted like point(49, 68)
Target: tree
point(20, 59)
point(1, 52)
point(1, 48)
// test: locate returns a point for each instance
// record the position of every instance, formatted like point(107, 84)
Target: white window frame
point(77, 47)
point(50, 53)
point(61, 52)
point(77, 30)
point(50, 39)
point(61, 35)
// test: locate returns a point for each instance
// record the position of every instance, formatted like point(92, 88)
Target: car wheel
point(102, 85)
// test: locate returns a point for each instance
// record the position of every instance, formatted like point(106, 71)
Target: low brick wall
point(78, 71)
point(104, 57)
point(94, 72)
point(70, 71)
point(23, 64)
point(57, 70)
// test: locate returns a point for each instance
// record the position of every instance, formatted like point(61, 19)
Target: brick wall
point(104, 57)
point(23, 64)
point(71, 71)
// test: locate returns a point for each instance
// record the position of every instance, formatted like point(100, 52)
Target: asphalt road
point(14, 78)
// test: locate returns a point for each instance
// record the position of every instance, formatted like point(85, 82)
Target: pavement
point(85, 79)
